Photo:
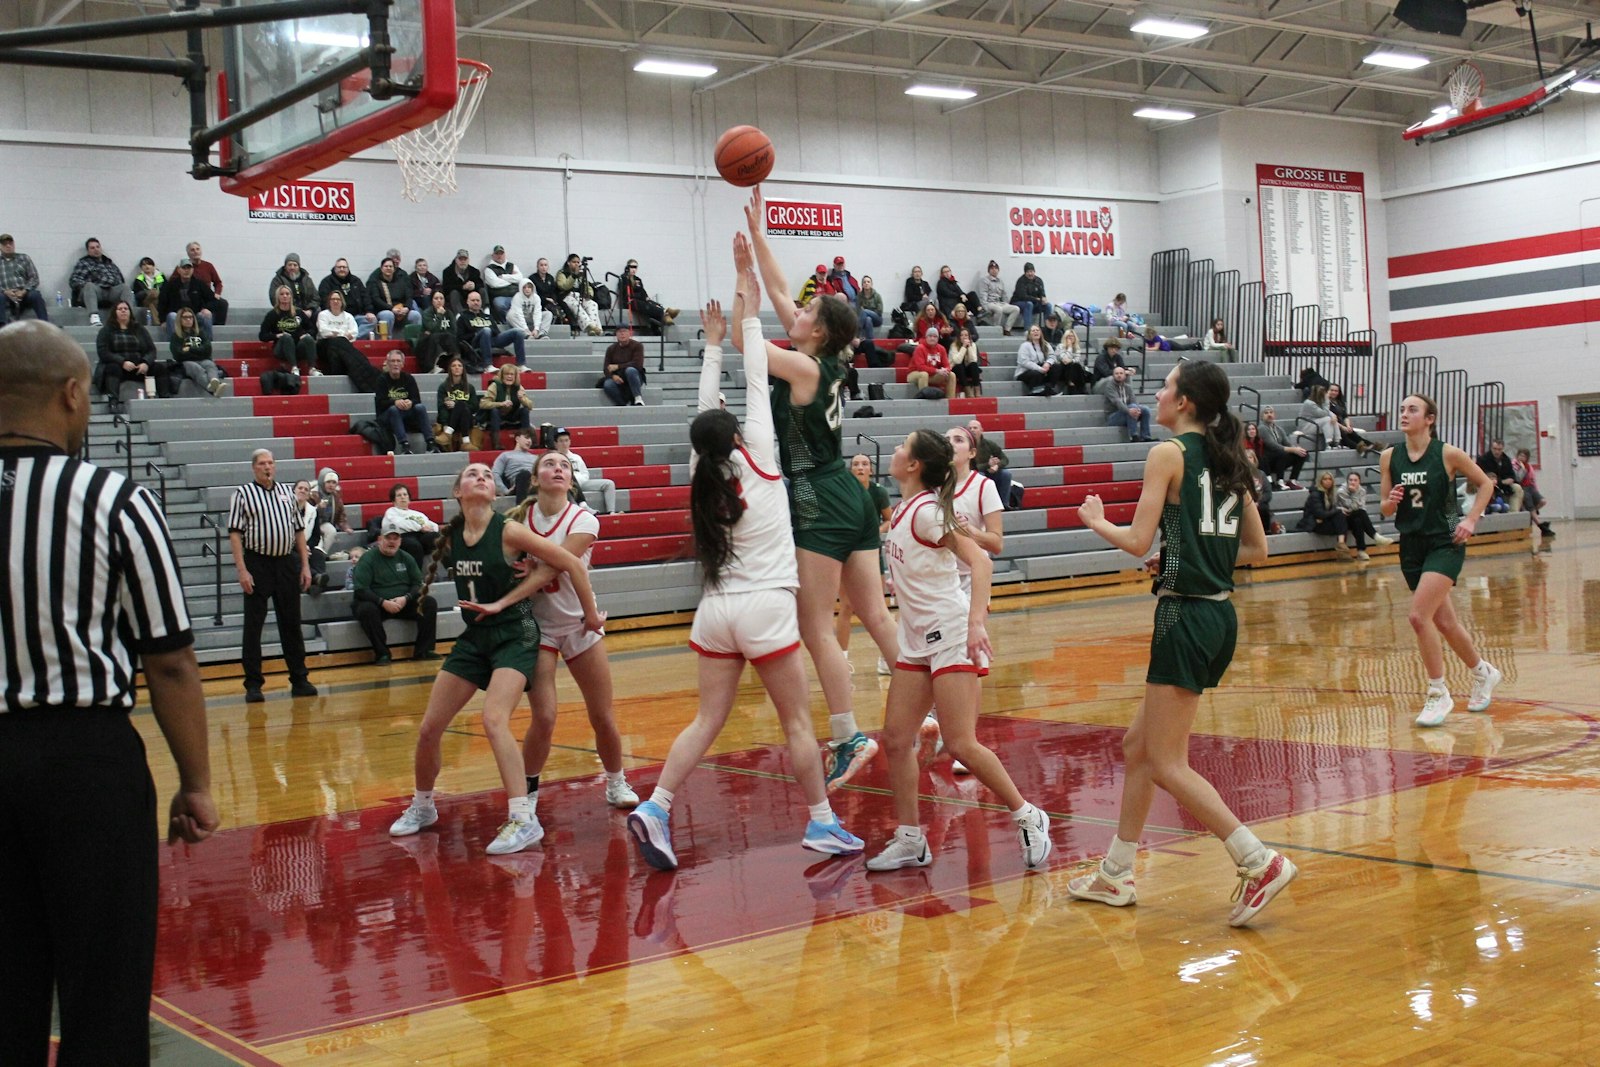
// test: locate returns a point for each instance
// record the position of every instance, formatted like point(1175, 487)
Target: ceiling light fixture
point(674, 68)
point(1170, 114)
point(1163, 27)
point(1397, 60)
point(942, 92)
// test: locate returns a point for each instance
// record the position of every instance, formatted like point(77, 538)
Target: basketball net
point(1465, 86)
point(428, 155)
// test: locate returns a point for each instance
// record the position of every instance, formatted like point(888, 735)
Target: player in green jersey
point(1419, 490)
point(1197, 492)
point(835, 524)
point(498, 653)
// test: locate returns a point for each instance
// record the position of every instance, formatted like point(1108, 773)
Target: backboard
point(278, 60)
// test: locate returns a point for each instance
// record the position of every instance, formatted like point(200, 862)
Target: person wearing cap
point(460, 278)
point(183, 290)
point(501, 282)
point(581, 477)
point(817, 284)
point(1109, 359)
point(388, 585)
point(623, 375)
point(206, 271)
point(513, 469)
point(19, 281)
point(301, 287)
point(1029, 295)
point(843, 281)
point(992, 302)
point(630, 287)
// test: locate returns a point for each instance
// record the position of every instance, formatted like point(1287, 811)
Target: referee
point(268, 536)
point(90, 590)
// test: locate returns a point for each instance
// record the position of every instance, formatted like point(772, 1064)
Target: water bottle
point(58, 298)
point(244, 369)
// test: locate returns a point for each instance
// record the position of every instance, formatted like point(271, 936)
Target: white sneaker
point(1362, 556)
point(621, 795)
point(414, 818)
point(1257, 887)
point(1379, 539)
point(315, 373)
point(516, 835)
point(883, 666)
point(957, 767)
point(1435, 708)
point(1483, 687)
point(1034, 834)
point(94, 320)
point(215, 387)
point(638, 401)
point(902, 852)
point(1103, 888)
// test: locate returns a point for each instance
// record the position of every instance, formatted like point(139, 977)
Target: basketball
point(743, 156)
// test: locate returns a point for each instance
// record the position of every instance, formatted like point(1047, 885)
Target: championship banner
point(1314, 239)
point(801, 218)
point(305, 201)
point(1066, 229)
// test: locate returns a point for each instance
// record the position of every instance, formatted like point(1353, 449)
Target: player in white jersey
point(552, 515)
point(748, 611)
point(943, 641)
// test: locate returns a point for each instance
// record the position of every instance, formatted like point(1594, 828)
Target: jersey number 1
point(1214, 520)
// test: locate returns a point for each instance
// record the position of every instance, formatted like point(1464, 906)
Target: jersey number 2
point(1217, 521)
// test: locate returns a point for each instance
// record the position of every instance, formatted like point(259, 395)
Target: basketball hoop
point(428, 155)
point(1465, 86)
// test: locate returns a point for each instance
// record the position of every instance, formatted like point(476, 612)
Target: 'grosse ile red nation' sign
point(1074, 229)
point(306, 201)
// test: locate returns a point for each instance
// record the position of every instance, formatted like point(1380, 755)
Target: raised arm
point(755, 217)
point(798, 369)
point(716, 328)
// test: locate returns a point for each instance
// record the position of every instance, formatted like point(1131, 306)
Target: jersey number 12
point(1215, 520)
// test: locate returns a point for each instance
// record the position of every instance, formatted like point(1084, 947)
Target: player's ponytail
point(839, 323)
point(714, 500)
point(933, 451)
point(1206, 386)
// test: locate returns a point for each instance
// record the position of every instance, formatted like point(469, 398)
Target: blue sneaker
point(831, 838)
point(649, 826)
point(845, 758)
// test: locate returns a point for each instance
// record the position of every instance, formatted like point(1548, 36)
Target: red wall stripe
point(1550, 244)
point(1531, 318)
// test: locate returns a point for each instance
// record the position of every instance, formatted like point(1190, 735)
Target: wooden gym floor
point(1446, 910)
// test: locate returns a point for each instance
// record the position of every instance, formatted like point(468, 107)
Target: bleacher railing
point(215, 551)
point(125, 446)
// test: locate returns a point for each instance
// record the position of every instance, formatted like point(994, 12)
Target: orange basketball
point(743, 156)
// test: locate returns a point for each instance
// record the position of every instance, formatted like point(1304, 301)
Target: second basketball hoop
point(427, 155)
point(1465, 86)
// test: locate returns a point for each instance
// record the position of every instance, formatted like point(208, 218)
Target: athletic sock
point(910, 833)
point(843, 727)
point(520, 809)
point(533, 784)
point(1119, 857)
point(422, 798)
point(1245, 848)
point(613, 777)
point(1482, 667)
point(1022, 814)
point(822, 813)
point(1436, 684)
point(662, 799)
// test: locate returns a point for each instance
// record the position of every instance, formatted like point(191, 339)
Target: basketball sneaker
point(928, 741)
point(652, 833)
point(1483, 683)
point(621, 795)
point(1436, 707)
point(1034, 834)
point(831, 838)
point(516, 835)
point(1258, 885)
point(957, 767)
point(883, 666)
point(846, 758)
point(1116, 890)
point(902, 852)
point(414, 818)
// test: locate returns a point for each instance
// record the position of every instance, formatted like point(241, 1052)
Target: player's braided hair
point(447, 535)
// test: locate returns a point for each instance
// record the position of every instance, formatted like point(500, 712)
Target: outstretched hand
point(755, 212)
point(483, 610)
point(713, 322)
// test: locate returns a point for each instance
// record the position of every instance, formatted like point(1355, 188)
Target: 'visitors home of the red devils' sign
point(303, 201)
point(1067, 228)
point(797, 218)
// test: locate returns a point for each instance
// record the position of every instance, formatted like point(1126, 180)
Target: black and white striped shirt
point(266, 519)
point(91, 582)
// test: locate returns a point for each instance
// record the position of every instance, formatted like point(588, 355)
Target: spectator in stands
point(917, 291)
point(191, 350)
point(1109, 359)
point(948, 291)
point(1217, 340)
point(331, 517)
point(964, 364)
point(128, 354)
point(456, 408)
point(388, 585)
point(605, 487)
point(1532, 499)
point(475, 327)
point(273, 562)
point(299, 284)
point(291, 331)
point(1309, 379)
point(356, 304)
point(392, 299)
point(505, 403)
point(1498, 466)
point(1029, 296)
point(1075, 369)
point(818, 283)
point(1351, 500)
point(991, 461)
point(928, 318)
point(636, 299)
point(398, 402)
point(930, 367)
point(578, 296)
point(1283, 457)
point(623, 374)
point(992, 302)
point(97, 282)
point(843, 282)
point(1323, 426)
point(147, 288)
point(501, 281)
point(206, 271)
point(527, 315)
point(1263, 493)
point(1037, 367)
point(460, 279)
point(869, 304)
point(1321, 515)
point(544, 283)
point(306, 501)
point(1121, 407)
point(1117, 314)
point(184, 290)
point(418, 533)
point(961, 319)
point(513, 468)
point(1252, 441)
point(19, 283)
point(336, 333)
point(1349, 436)
point(436, 345)
point(424, 283)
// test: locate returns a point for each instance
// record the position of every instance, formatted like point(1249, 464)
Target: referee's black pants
point(277, 581)
point(77, 887)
